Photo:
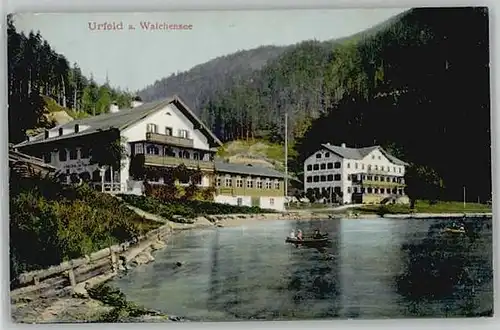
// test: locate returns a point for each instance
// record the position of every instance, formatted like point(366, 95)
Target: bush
point(51, 223)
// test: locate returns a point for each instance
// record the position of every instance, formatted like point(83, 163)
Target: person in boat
point(317, 234)
point(292, 234)
point(299, 235)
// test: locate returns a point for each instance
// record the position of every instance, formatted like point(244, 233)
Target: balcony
point(174, 161)
point(372, 183)
point(169, 139)
point(384, 172)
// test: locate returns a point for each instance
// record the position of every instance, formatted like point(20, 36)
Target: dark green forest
point(418, 84)
point(36, 71)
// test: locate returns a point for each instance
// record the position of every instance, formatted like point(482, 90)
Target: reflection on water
point(372, 268)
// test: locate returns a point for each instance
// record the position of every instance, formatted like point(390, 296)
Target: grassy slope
point(256, 151)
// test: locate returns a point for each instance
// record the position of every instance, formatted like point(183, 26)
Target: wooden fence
point(63, 278)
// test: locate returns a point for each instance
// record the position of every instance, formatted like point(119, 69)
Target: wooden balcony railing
point(169, 139)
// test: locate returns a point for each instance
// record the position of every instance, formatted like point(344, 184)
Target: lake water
point(374, 268)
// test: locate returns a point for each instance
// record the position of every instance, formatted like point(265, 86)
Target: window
point(329, 166)
point(327, 155)
point(316, 178)
point(229, 182)
point(329, 177)
point(373, 156)
point(152, 128)
point(152, 150)
point(239, 201)
point(355, 190)
point(323, 166)
point(196, 156)
point(309, 167)
point(168, 131)
point(318, 155)
point(218, 182)
point(73, 154)
point(381, 168)
point(348, 190)
point(348, 165)
point(362, 166)
point(337, 164)
point(379, 157)
point(276, 185)
point(369, 190)
point(322, 178)
point(249, 183)
point(394, 169)
point(271, 201)
point(63, 156)
point(399, 170)
point(337, 190)
point(356, 165)
point(308, 179)
point(369, 167)
point(239, 183)
point(376, 167)
point(337, 177)
point(183, 134)
point(315, 167)
point(259, 184)
point(268, 183)
point(348, 177)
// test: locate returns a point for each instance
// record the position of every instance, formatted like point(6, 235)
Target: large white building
point(157, 135)
point(354, 175)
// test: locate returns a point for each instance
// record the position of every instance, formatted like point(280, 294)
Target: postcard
point(250, 165)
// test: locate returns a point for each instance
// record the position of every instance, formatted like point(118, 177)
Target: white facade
point(342, 172)
point(271, 203)
point(171, 118)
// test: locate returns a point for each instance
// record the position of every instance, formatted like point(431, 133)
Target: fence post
point(71, 276)
point(113, 260)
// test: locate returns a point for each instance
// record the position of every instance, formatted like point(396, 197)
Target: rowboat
point(455, 230)
point(307, 241)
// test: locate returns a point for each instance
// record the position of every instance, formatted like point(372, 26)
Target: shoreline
point(82, 308)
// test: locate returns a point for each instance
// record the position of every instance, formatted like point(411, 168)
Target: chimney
point(343, 145)
point(77, 128)
point(61, 131)
point(114, 107)
point(137, 101)
point(46, 133)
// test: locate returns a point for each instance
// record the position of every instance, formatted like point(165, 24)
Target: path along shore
point(72, 309)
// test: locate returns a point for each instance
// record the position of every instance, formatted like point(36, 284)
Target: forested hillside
point(37, 75)
point(418, 83)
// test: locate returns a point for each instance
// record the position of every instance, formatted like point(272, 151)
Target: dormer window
point(168, 131)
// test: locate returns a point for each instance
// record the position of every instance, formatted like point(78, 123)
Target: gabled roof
point(256, 170)
point(122, 119)
point(360, 153)
point(18, 157)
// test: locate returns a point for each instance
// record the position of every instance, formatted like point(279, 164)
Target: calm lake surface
point(374, 268)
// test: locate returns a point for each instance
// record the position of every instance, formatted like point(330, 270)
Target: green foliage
point(50, 223)
point(423, 183)
point(110, 153)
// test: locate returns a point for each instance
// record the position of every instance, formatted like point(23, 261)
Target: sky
point(135, 58)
